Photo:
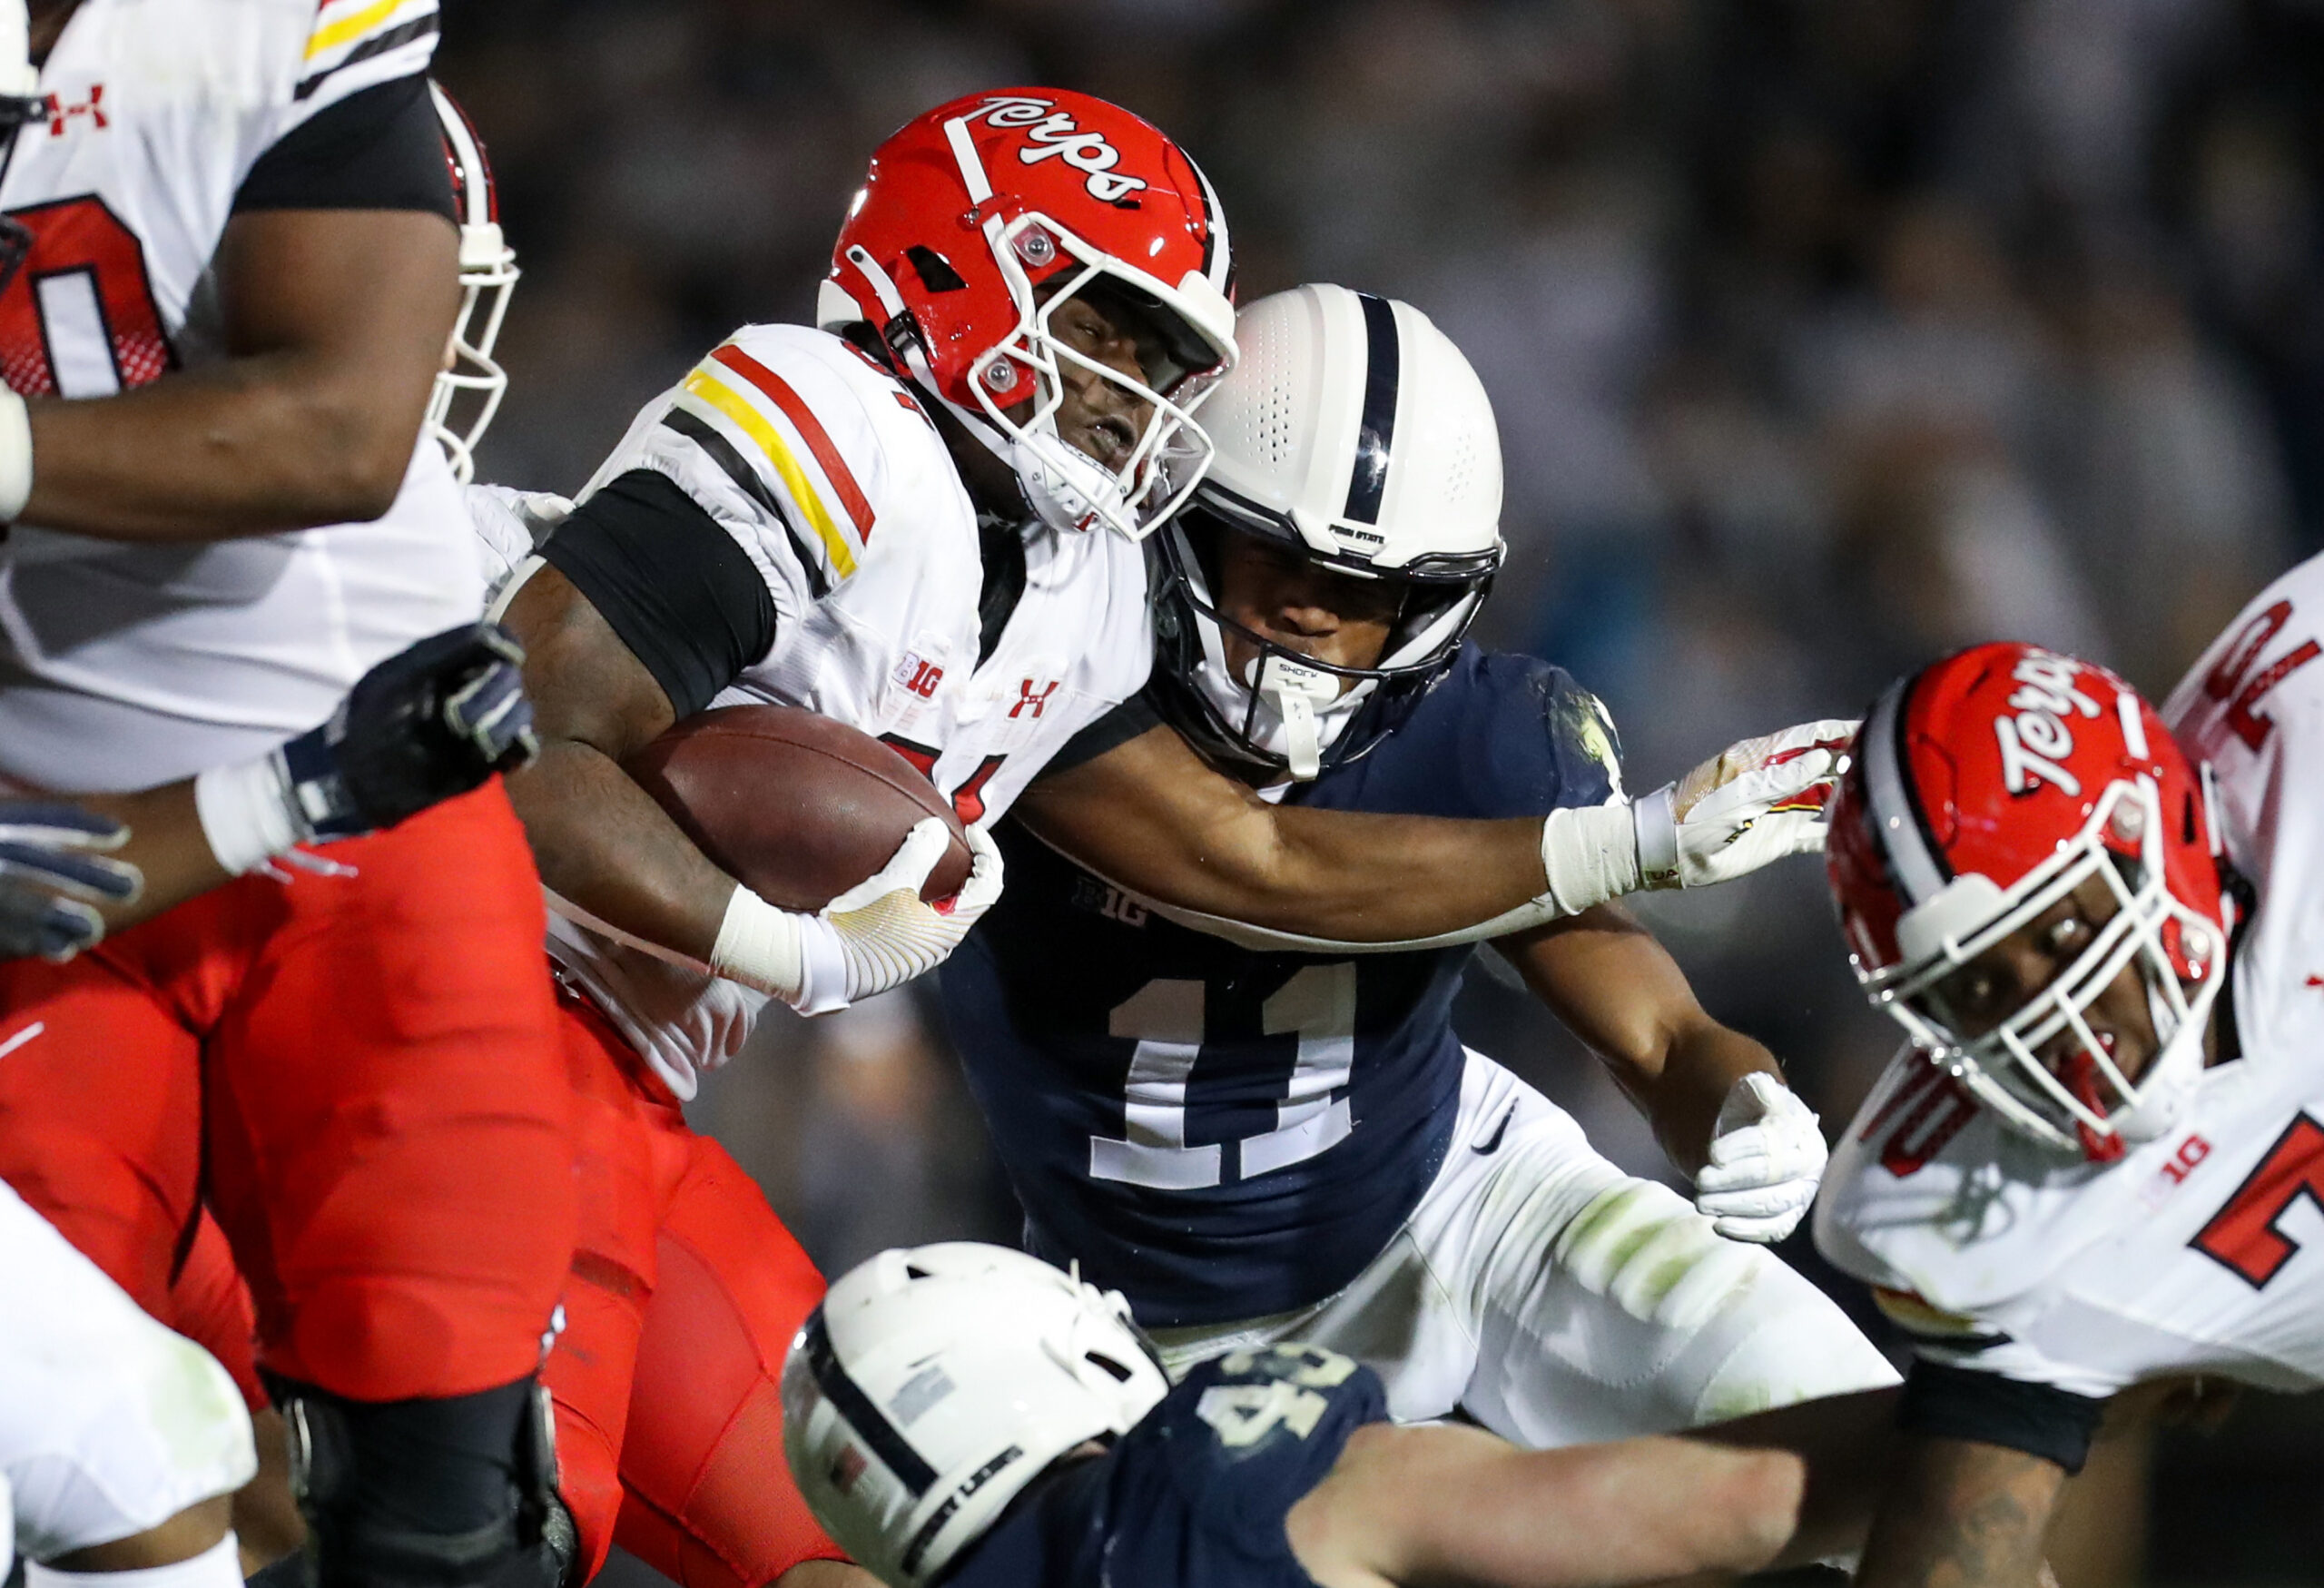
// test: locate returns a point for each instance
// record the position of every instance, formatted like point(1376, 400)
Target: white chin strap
point(1295, 693)
point(1061, 485)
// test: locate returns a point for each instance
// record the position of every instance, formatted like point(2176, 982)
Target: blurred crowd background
point(1825, 336)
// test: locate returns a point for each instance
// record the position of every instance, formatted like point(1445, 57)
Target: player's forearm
point(1455, 1504)
point(249, 448)
point(602, 843)
point(335, 324)
point(1701, 1066)
point(1851, 1447)
point(1387, 878)
point(1962, 1515)
point(1348, 876)
point(167, 846)
point(1151, 815)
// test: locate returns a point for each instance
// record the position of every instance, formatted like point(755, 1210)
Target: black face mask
point(1186, 579)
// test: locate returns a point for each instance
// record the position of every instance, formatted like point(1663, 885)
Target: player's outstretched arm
point(336, 322)
point(1151, 815)
point(1850, 1443)
point(1959, 1513)
point(1449, 1505)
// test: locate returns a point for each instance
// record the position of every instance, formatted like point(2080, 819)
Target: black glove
point(51, 879)
point(431, 722)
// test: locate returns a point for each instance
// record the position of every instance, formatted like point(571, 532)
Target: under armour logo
point(1027, 698)
point(92, 107)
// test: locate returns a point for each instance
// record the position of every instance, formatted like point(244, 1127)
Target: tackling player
point(240, 275)
point(2099, 924)
point(1258, 1146)
point(966, 1415)
point(926, 528)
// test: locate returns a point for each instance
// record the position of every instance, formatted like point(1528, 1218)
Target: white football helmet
point(1353, 431)
point(488, 275)
point(934, 1383)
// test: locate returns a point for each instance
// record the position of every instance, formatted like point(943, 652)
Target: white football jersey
point(828, 475)
point(2201, 1252)
point(121, 666)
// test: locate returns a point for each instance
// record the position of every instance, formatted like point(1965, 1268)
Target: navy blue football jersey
point(1194, 1496)
point(1220, 1133)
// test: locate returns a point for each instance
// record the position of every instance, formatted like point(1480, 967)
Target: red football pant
point(364, 1074)
point(687, 1291)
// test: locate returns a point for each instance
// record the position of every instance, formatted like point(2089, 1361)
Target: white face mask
point(1062, 484)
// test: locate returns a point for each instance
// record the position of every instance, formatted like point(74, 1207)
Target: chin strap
point(1293, 693)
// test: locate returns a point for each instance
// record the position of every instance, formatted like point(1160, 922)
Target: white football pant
point(110, 1425)
point(1557, 1300)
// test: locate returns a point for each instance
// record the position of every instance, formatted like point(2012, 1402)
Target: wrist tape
point(246, 813)
point(1590, 854)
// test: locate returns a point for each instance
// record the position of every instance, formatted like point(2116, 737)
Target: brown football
point(797, 807)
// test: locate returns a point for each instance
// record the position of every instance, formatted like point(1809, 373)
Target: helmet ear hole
point(935, 271)
point(1114, 1370)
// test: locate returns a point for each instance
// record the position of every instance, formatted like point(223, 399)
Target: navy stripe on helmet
point(1367, 482)
point(1898, 828)
point(870, 1423)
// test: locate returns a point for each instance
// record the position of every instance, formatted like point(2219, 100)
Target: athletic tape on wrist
point(16, 455)
point(1590, 854)
point(1656, 817)
point(758, 944)
point(247, 812)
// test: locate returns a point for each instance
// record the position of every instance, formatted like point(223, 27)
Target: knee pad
point(452, 1493)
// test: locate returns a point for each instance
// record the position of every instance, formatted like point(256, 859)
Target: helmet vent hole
point(1114, 1370)
point(936, 271)
point(913, 1271)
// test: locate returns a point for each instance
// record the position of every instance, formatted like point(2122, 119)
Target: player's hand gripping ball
point(857, 874)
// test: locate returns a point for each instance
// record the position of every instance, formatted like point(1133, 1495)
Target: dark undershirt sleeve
point(670, 582)
point(1118, 727)
point(2039, 1419)
point(380, 149)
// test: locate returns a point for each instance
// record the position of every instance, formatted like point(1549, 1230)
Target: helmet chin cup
point(1062, 487)
point(1295, 693)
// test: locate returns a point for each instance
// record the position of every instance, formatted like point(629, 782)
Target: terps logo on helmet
point(1053, 134)
point(2037, 739)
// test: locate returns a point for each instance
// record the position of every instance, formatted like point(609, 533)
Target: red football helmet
point(1984, 789)
point(487, 275)
point(970, 207)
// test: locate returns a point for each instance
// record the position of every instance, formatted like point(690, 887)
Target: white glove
point(1757, 800)
point(877, 935)
point(1767, 1157)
